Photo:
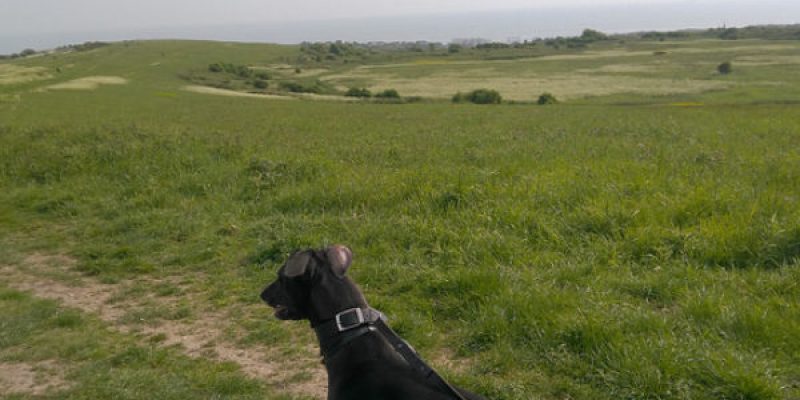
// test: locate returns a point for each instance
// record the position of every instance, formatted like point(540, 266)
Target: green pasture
point(584, 250)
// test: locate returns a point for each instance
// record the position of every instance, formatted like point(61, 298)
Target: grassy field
point(586, 250)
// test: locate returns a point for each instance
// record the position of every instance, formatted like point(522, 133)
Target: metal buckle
point(348, 326)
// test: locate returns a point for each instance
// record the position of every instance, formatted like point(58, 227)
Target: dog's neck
point(346, 326)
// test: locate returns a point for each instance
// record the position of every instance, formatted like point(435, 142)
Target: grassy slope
point(585, 252)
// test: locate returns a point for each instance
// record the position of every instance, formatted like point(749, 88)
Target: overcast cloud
point(42, 24)
point(19, 17)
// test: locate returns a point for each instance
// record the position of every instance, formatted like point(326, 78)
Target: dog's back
point(369, 368)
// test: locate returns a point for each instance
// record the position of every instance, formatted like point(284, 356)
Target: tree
point(725, 68)
point(546, 98)
point(358, 92)
point(479, 96)
point(729, 34)
point(591, 35)
point(388, 94)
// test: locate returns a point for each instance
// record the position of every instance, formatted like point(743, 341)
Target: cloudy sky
point(40, 16)
point(35, 22)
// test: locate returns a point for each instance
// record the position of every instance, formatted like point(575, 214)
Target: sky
point(41, 16)
point(43, 23)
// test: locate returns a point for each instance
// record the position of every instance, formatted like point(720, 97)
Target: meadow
point(639, 240)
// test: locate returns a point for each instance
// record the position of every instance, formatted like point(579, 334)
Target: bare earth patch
point(232, 93)
point(52, 277)
point(30, 378)
point(88, 83)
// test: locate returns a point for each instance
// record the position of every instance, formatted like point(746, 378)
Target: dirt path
point(53, 277)
point(30, 378)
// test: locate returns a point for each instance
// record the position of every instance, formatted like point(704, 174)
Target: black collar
point(345, 327)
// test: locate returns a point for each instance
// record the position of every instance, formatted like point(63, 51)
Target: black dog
point(360, 353)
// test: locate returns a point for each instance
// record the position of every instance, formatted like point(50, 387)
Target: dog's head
point(312, 285)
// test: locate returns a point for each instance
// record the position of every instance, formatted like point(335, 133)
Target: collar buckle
point(349, 319)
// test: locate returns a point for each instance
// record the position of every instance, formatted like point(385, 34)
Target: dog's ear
point(340, 258)
point(297, 264)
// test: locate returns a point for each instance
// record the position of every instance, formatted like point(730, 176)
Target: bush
point(292, 87)
point(388, 94)
point(591, 35)
point(725, 68)
point(260, 84)
point(296, 87)
point(546, 98)
point(215, 67)
point(244, 71)
point(479, 96)
point(358, 92)
point(264, 76)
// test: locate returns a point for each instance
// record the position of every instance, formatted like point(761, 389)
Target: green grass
point(94, 362)
point(592, 251)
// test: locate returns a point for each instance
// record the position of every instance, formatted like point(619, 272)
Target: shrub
point(244, 71)
point(260, 84)
point(547, 98)
point(358, 92)
point(264, 76)
point(479, 96)
point(725, 68)
point(292, 87)
point(591, 35)
point(388, 94)
point(215, 67)
point(296, 87)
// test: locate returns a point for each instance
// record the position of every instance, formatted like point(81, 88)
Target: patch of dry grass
point(529, 86)
point(764, 60)
point(13, 74)
point(623, 69)
point(88, 83)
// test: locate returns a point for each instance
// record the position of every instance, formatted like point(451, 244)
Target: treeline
point(21, 54)
point(225, 75)
point(489, 96)
point(86, 46)
point(341, 51)
point(764, 32)
point(344, 51)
